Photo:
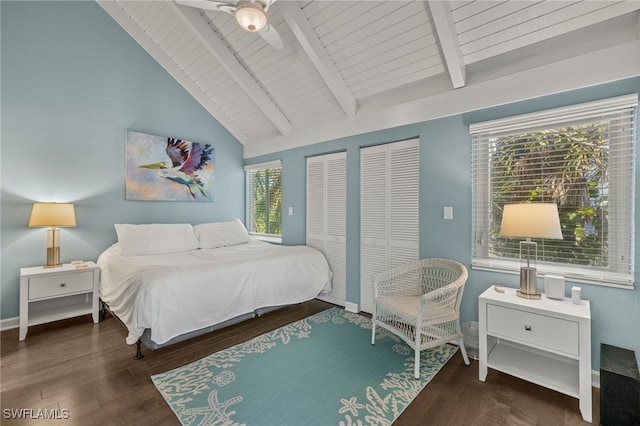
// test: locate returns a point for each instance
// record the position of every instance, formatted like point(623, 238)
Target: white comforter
point(176, 293)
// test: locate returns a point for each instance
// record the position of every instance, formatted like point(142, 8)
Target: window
point(264, 199)
point(583, 159)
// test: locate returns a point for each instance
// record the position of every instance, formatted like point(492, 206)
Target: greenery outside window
point(264, 200)
point(583, 159)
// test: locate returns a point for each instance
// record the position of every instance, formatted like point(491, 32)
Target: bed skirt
point(152, 346)
point(145, 339)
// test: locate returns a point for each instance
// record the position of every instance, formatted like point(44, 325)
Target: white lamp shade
point(52, 214)
point(251, 17)
point(531, 220)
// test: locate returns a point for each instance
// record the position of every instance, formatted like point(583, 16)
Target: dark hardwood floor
point(88, 369)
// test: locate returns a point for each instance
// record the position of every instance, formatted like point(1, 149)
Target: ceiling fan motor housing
point(251, 16)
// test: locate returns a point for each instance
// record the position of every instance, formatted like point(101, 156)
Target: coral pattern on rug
point(203, 392)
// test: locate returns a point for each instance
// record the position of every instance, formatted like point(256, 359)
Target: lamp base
point(536, 296)
point(53, 258)
point(528, 284)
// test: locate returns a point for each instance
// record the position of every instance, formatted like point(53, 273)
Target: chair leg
point(416, 369)
point(373, 332)
point(465, 357)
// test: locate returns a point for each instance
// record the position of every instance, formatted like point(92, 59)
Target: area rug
point(321, 370)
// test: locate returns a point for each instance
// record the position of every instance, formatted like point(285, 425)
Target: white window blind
point(264, 198)
point(583, 159)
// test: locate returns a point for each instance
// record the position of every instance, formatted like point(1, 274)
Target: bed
point(169, 282)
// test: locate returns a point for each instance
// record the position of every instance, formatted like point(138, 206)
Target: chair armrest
point(443, 295)
point(441, 305)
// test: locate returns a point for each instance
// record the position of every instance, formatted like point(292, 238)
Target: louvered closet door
point(389, 211)
point(404, 165)
point(316, 191)
point(326, 217)
point(374, 219)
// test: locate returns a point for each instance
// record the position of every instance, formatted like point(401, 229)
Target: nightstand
point(546, 341)
point(51, 294)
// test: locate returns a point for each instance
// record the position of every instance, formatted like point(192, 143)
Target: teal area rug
point(321, 370)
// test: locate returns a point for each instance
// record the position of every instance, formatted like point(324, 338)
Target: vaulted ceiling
point(350, 67)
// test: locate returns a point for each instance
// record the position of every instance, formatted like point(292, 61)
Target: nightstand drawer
point(534, 329)
point(57, 285)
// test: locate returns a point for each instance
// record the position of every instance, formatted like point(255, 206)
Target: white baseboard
point(595, 379)
point(331, 299)
point(351, 307)
point(9, 323)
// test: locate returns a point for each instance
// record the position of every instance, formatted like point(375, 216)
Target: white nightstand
point(51, 294)
point(547, 342)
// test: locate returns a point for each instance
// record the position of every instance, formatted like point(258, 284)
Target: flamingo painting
point(171, 169)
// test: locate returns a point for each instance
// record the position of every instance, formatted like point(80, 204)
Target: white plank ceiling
point(350, 67)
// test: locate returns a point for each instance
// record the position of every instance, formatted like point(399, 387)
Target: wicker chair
point(423, 295)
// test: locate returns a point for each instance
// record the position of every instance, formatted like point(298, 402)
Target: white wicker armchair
point(423, 295)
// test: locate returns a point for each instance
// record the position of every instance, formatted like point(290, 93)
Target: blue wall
point(445, 177)
point(73, 81)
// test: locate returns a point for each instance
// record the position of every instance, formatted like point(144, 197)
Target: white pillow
point(221, 234)
point(156, 238)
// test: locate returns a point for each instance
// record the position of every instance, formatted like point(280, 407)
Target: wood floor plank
point(88, 369)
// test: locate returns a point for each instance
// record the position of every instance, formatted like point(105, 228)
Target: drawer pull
point(527, 327)
point(63, 284)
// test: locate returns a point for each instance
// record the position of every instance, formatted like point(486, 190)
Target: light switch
point(290, 211)
point(448, 213)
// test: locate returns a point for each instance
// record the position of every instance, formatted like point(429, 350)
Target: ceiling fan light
point(251, 17)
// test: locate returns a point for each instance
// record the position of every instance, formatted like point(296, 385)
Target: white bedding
point(176, 293)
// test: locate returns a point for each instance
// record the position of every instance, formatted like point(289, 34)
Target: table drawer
point(533, 329)
point(58, 285)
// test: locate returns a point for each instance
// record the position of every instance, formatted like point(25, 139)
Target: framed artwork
point(168, 169)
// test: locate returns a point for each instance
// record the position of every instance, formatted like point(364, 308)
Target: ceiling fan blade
point(216, 6)
point(268, 4)
point(271, 36)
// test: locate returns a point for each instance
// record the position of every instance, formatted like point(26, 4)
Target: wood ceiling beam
point(313, 47)
point(201, 30)
point(117, 13)
point(445, 30)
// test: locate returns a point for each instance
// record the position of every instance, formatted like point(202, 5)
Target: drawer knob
point(63, 284)
point(527, 327)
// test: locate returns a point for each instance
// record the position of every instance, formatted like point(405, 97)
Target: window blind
point(583, 159)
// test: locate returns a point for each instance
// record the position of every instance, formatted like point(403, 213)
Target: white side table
point(547, 342)
point(51, 294)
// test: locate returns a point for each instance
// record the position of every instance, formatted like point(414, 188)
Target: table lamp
point(53, 215)
point(530, 220)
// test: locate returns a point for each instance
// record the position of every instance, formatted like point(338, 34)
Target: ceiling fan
point(251, 15)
